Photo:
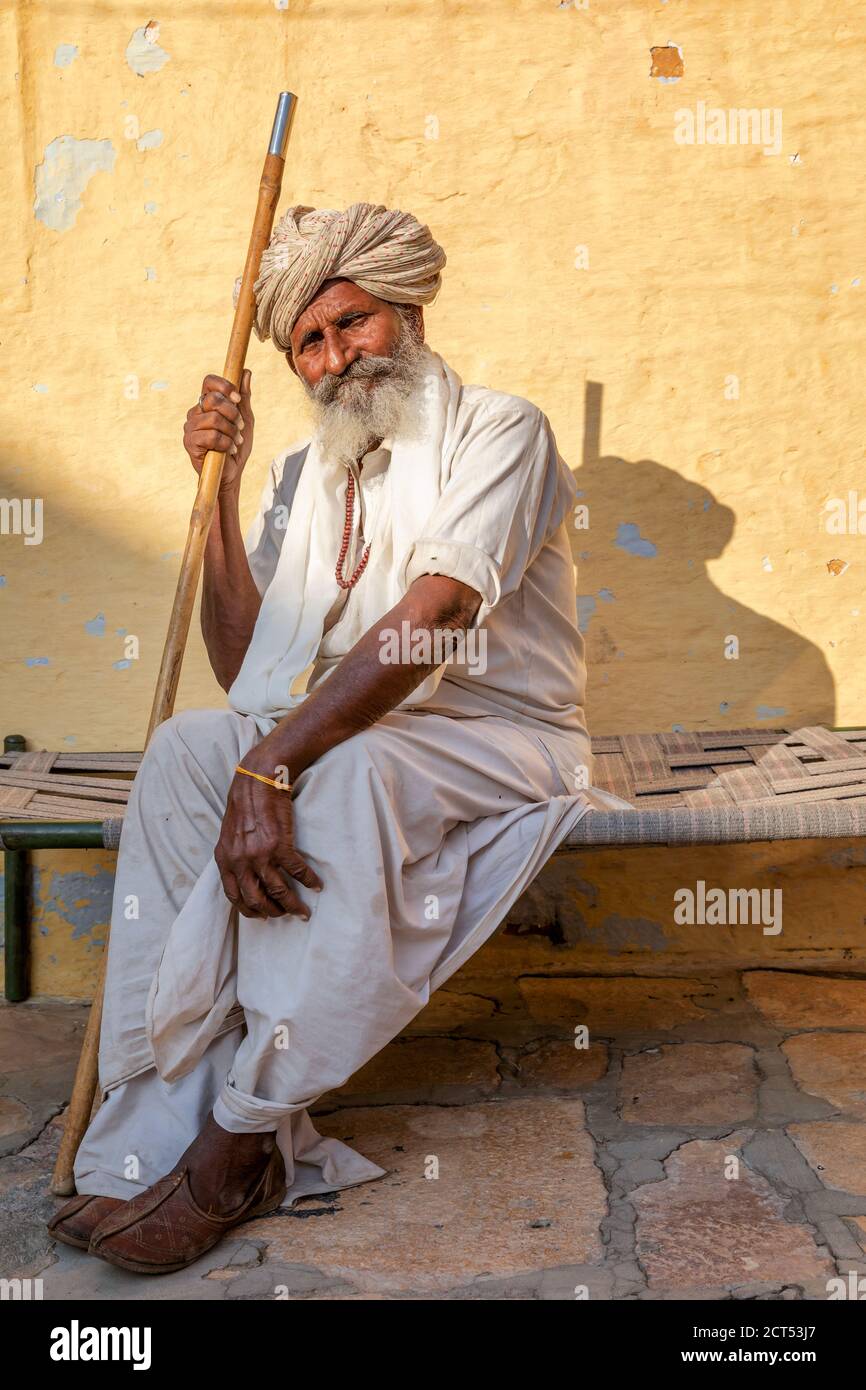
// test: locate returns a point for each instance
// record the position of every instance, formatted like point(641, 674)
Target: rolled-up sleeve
point(507, 492)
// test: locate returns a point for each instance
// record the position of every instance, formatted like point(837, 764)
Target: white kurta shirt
point(501, 525)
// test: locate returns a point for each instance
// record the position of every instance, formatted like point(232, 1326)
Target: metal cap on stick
point(282, 121)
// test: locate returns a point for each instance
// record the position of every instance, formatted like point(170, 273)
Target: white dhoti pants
point(424, 830)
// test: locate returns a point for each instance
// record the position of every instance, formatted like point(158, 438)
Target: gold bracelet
point(269, 781)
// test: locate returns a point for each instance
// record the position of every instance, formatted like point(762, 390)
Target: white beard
point(351, 415)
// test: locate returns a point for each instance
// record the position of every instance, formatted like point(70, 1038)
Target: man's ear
point(291, 361)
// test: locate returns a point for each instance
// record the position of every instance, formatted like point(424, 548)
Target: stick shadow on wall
point(657, 629)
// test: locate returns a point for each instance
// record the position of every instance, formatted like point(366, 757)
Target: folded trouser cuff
point(242, 1114)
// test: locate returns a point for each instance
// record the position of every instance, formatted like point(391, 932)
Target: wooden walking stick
point(86, 1076)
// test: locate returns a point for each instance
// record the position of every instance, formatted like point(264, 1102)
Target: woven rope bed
point(686, 788)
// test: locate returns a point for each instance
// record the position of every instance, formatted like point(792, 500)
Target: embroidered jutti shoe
point(76, 1220)
point(164, 1229)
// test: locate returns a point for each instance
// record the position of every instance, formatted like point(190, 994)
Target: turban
point(387, 252)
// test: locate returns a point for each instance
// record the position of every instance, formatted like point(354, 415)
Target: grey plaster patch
point(67, 167)
point(82, 900)
point(143, 52)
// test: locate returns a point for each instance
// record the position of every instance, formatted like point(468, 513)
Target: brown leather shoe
point(76, 1221)
point(164, 1229)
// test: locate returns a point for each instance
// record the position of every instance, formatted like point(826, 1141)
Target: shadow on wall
point(657, 629)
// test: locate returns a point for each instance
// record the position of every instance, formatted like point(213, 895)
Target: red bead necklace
point(347, 534)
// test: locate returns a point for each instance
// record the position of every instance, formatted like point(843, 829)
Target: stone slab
point(836, 1151)
point(561, 1065)
point(517, 1190)
point(612, 1006)
point(796, 999)
point(701, 1229)
point(690, 1083)
point(832, 1066)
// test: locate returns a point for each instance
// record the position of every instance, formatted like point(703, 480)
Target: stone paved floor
point(708, 1142)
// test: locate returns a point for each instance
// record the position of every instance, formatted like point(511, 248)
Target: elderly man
point(404, 748)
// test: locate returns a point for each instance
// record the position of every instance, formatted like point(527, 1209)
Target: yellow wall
point(618, 278)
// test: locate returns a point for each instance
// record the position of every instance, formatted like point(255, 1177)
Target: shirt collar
point(386, 444)
point(374, 461)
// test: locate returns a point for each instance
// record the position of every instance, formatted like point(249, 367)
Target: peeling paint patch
point(837, 567)
point(96, 626)
point(149, 272)
point(143, 53)
point(61, 178)
point(667, 63)
point(628, 537)
point(150, 140)
point(40, 388)
point(586, 606)
point(159, 386)
point(82, 900)
point(151, 208)
point(121, 665)
point(770, 712)
point(65, 55)
point(2, 581)
point(70, 738)
point(36, 661)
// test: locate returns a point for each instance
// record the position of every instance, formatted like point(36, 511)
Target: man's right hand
point(222, 420)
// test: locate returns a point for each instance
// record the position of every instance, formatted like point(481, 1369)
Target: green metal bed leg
point(15, 906)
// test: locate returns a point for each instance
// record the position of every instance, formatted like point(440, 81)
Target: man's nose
point(339, 354)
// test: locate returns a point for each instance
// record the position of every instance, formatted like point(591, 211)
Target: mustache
point(330, 387)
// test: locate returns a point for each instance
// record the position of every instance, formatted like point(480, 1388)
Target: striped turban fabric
point(388, 253)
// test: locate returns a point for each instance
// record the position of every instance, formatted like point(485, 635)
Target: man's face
point(343, 323)
point(360, 361)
